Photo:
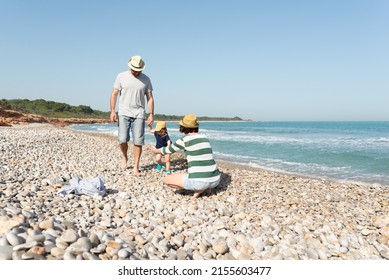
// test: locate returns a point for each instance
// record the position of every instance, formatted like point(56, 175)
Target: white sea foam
point(353, 152)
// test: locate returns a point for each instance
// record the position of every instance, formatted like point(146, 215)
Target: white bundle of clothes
point(91, 187)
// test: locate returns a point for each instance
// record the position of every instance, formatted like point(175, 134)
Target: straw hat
point(189, 121)
point(136, 63)
point(160, 125)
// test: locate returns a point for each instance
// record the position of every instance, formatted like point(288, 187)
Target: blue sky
point(263, 60)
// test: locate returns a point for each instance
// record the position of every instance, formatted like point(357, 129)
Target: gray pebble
point(13, 239)
point(6, 252)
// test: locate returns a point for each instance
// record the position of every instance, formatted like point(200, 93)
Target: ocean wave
point(344, 173)
point(338, 154)
point(328, 142)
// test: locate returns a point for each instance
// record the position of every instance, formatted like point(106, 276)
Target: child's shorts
point(195, 185)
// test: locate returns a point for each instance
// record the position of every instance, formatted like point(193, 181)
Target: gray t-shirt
point(132, 94)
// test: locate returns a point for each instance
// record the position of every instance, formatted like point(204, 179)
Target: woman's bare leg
point(175, 181)
point(196, 194)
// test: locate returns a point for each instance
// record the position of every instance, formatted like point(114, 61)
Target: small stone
point(177, 241)
point(89, 256)
point(197, 256)
point(240, 216)
point(7, 225)
point(25, 246)
point(37, 238)
point(6, 252)
point(68, 256)
point(220, 246)
point(99, 249)
point(57, 252)
point(61, 244)
point(312, 254)
point(243, 256)
point(82, 245)
point(39, 250)
point(343, 241)
point(123, 253)
point(13, 239)
point(46, 224)
point(181, 254)
point(365, 232)
point(69, 236)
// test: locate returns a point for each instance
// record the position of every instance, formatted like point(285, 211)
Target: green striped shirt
point(198, 151)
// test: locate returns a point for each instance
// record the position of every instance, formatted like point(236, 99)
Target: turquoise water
point(343, 151)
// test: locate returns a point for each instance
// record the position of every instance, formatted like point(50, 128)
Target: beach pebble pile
point(253, 215)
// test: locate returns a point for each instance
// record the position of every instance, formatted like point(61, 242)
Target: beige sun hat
point(136, 63)
point(160, 125)
point(189, 121)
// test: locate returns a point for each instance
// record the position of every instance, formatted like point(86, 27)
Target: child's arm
point(172, 148)
point(150, 128)
point(169, 142)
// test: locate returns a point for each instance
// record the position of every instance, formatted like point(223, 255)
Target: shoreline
point(254, 214)
point(302, 175)
point(341, 172)
point(201, 121)
point(248, 166)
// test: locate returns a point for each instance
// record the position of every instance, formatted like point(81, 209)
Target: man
point(132, 87)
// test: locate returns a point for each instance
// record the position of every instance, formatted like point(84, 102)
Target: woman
point(203, 173)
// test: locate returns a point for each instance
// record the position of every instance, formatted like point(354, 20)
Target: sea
point(350, 152)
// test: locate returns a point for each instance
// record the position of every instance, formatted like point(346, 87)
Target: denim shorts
point(134, 125)
point(195, 185)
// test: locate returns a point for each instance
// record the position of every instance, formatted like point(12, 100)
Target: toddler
point(162, 140)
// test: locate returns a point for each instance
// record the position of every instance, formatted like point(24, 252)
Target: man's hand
point(150, 119)
point(112, 104)
point(113, 117)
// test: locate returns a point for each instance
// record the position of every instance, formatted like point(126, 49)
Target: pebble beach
point(253, 214)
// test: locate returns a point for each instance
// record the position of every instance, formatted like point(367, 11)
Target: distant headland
point(19, 111)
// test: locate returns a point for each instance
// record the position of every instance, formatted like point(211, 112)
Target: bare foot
point(136, 172)
point(196, 194)
point(124, 164)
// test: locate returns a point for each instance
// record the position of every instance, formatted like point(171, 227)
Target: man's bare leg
point(124, 149)
point(137, 154)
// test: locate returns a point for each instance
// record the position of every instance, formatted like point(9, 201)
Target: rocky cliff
point(11, 117)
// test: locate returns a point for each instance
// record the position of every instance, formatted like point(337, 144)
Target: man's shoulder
point(144, 77)
point(124, 73)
